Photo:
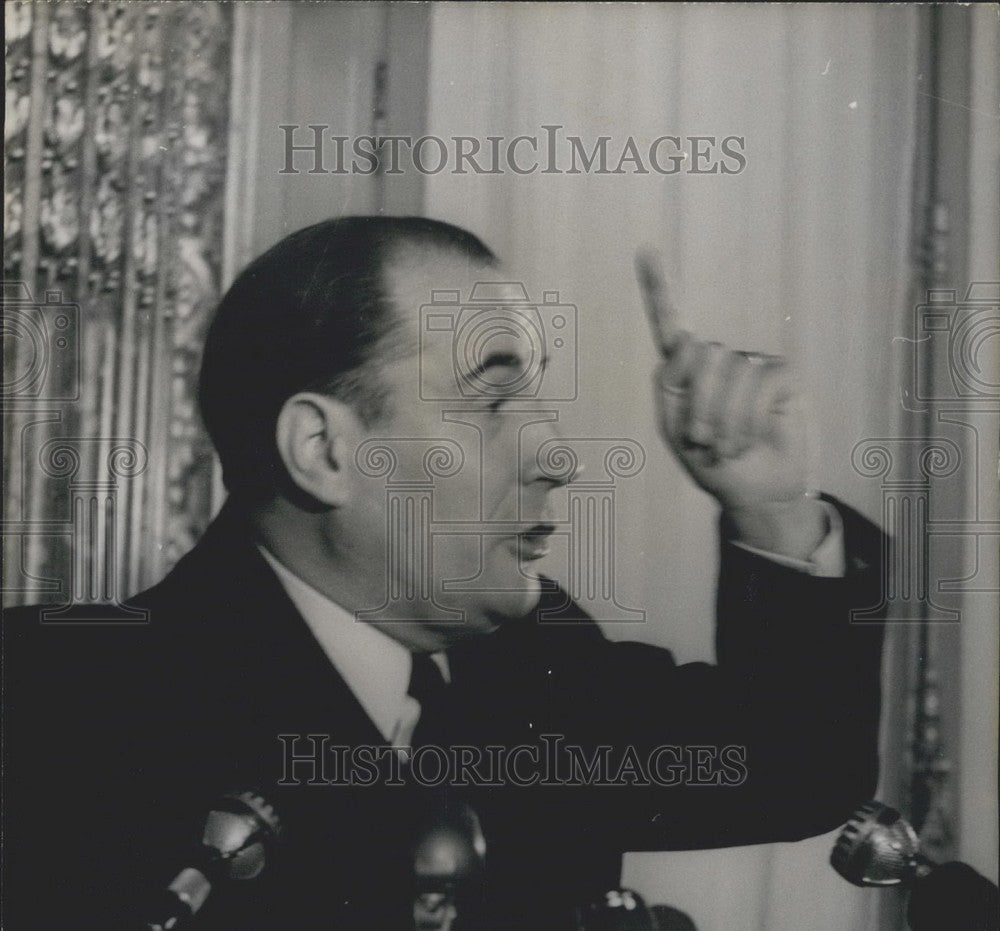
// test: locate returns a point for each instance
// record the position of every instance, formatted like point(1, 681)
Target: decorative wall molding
point(115, 158)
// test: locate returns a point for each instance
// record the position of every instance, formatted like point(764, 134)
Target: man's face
point(451, 500)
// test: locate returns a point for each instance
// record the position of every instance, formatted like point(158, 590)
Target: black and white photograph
point(480, 466)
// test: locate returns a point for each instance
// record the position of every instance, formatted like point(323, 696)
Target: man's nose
point(551, 458)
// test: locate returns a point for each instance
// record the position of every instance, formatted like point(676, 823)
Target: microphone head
point(451, 848)
point(616, 910)
point(237, 829)
point(877, 847)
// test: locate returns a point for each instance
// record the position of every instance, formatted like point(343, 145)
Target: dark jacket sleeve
point(776, 742)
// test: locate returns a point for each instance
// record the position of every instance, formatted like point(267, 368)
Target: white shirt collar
point(375, 667)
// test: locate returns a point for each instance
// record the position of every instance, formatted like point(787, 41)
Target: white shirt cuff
point(827, 561)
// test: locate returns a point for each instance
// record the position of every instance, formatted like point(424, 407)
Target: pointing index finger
point(661, 312)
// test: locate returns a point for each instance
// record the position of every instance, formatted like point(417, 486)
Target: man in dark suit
point(305, 621)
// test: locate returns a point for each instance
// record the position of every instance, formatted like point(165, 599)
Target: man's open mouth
point(534, 542)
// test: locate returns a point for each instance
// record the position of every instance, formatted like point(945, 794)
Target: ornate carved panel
point(115, 169)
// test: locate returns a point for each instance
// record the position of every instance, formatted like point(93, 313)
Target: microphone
point(625, 910)
point(878, 847)
point(238, 830)
point(448, 859)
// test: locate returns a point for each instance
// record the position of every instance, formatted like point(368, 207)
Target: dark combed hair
point(311, 313)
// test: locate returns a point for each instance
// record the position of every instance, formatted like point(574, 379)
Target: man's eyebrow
point(501, 360)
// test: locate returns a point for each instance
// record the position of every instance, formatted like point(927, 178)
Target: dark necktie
point(428, 687)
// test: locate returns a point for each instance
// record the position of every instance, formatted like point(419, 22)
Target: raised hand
point(735, 423)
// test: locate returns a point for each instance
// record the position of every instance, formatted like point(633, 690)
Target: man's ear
point(311, 436)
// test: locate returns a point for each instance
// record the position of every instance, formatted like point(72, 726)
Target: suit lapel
point(261, 642)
